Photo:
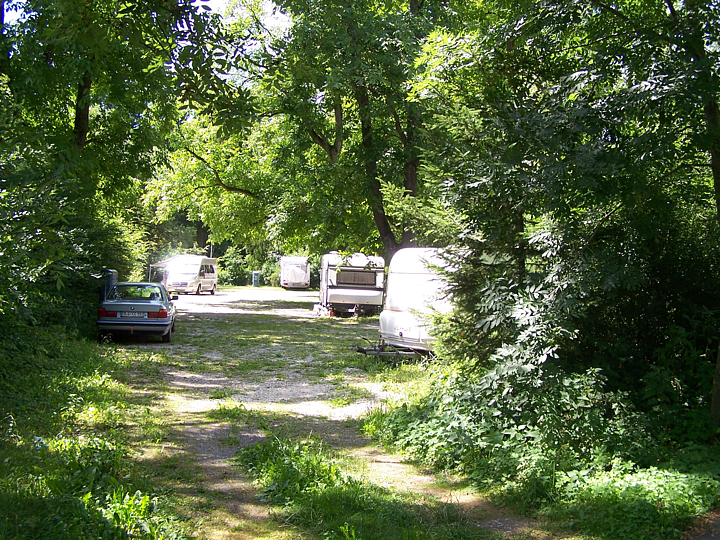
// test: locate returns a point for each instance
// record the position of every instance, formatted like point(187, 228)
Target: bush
point(270, 273)
point(233, 269)
point(557, 443)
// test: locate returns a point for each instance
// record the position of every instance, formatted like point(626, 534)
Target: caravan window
point(356, 277)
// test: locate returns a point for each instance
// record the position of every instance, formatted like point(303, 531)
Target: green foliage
point(233, 269)
point(559, 446)
point(628, 503)
point(309, 481)
point(62, 474)
point(270, 273)
point(88, 96)
point(290, 471)
point(75, 491)
point(590, 223)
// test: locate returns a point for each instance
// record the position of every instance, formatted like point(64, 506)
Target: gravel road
point(265, 351)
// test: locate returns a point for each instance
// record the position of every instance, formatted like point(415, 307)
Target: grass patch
point(65, 468)
point(220, 393)
point(232, 411)
point(347, 394)
point(309, 483)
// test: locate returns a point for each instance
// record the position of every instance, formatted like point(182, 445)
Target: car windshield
point(135, 292)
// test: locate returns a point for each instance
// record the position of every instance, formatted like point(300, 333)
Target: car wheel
point(199, 289)
point(212, 291)
point(167, 338)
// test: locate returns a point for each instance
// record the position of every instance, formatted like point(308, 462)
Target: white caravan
point(188, 274)
point(414, 291)
point(294, 272)
point(351, 284)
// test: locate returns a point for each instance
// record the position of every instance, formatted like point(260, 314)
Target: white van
point(414, 291)
point(351, 284)
point(188, 274)
point(294, 272)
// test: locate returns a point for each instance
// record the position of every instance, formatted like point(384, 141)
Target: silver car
point(137, 308)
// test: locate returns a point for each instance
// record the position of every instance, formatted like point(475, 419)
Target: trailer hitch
point(387, 351)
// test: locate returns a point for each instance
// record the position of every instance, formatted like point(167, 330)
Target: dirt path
point(248, 361)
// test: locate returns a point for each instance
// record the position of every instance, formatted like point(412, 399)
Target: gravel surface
point(220, 334)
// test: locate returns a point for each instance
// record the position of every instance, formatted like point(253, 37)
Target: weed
point(348, 394)
point(221, 393)
point(77, 484)
point(310, 483)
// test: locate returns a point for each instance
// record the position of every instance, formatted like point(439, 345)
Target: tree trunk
point(715, 404)
point(375, 198)
point(521, 246)
point(409, 238)
point(712, 124)
point(82, 112)
point(410, 171)
point(332, 150)
point(695, 45)
point(202, 235)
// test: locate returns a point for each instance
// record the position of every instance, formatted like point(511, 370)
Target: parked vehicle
point(414, 291)
point(137, 308)
point(186, 274)
point(351, 284)
point(294, 272)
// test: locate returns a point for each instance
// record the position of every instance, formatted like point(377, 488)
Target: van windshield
point(185, 270)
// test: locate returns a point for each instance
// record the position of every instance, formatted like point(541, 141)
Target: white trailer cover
point(414, 291)
point(351, 283)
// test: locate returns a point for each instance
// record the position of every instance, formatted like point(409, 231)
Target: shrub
point(270, 273)
point(233, 268)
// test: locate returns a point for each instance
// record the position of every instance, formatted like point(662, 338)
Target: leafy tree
point(336, 80)
point(89, 93)
point(577, 140)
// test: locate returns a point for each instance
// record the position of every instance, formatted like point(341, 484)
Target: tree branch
point(218, 180)
point(333, 151)
point(636, 27)
point(398, 127)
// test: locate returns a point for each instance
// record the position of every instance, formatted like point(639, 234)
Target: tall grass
point(64, 468)
point(311, 484)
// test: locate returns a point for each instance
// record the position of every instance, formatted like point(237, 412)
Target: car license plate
point(133, 314)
